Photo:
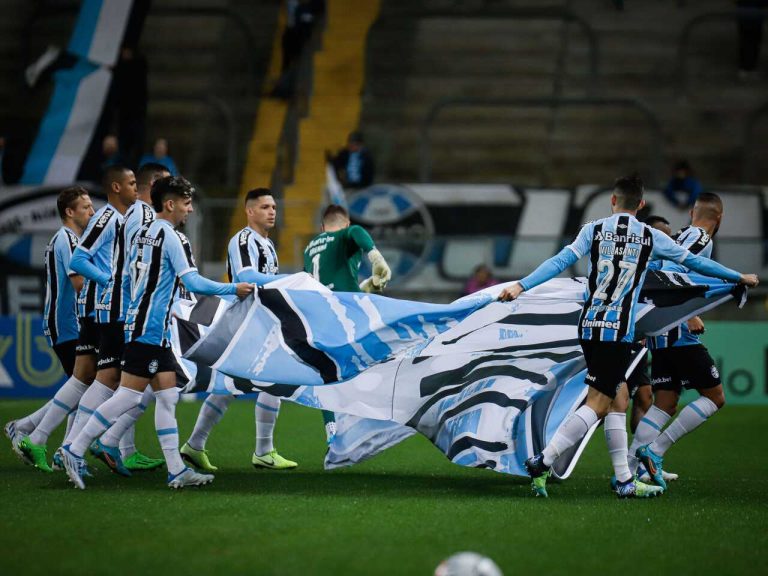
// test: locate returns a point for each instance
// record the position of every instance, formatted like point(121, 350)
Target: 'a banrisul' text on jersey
point(60, 313)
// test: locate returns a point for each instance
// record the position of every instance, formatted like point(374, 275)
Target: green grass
point(400, 513)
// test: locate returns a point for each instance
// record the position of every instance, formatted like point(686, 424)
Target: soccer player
point(619, 248)
point(116, 448)
point(251, 257)
point(333, 258)
point(681, 360)
point(60, 313)
point(93, 260)
point(160, 259)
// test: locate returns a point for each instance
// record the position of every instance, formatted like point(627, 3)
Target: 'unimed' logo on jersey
point(600, 324)
point(609, 236)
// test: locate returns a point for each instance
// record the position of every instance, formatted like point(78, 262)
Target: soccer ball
point(467, 564)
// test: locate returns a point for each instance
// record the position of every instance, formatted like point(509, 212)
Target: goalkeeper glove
point(381, 272)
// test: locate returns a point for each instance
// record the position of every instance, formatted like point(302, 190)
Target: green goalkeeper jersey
point(333, 258)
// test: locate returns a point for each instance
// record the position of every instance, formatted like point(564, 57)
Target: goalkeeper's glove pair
point(380, 273)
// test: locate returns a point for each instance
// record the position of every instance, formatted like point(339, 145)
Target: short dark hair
point(629, 191)
point(710, 198)
point(170, 187)
point(113, 174)
point(334, 212)
point(68, 198)
point(150, 172)
point(651, 220)
point(257, 193)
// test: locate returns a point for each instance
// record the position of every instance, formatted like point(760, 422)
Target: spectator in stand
point(160, 156)
point(301, 16)
point(683, 188)
point(110, 153)
point(353, 165)
point(481, 278)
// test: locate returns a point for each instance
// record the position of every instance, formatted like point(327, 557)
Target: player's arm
point(665, 247)
point(82, 258)
point(380, 271)
point(183, 263)
point(251, 276)
point(550, 268)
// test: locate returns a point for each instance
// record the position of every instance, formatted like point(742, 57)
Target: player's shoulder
point(69, 236)
point(242, 237)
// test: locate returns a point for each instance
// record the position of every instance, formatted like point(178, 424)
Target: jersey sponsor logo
point(600, 324)
point(704, 239)
point(101, 222)
point(148, 241)
point(606, 308)
point(661, 380)
point(609, 236)
point(590, 378)
point(243, 239)
point(148, 215)
point(73, 240)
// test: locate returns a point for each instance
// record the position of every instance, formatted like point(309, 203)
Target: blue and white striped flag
point(489, 383)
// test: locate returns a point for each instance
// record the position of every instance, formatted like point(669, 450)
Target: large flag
point(489, 383)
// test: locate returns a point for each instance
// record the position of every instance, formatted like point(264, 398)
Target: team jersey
point(249, 250)
point(333, 258)
point(697, 241)
point(114, 300)
point(93, 258)
point(158, 258)
point(619, 249)
point(60, 313)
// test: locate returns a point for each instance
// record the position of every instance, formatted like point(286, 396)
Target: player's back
point(60, 311)
point(333, 259)
point(158, 257)
point(619, 249)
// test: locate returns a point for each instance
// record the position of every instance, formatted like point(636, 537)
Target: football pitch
point(400, 513)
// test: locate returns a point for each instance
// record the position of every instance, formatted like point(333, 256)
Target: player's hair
point(150, 172)
point(68, 198)
point(334, 213)
point(257, 193)
point(113, 173)
point(170, 187)
point(651, 220)
point(708, 205)
point(629, 191)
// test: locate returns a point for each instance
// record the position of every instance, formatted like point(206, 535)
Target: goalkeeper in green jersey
point(333, 258)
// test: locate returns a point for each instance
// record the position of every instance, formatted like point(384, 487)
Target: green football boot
point(35, 453)
point(137, 461)
point(539, 473)
point(198, 458)
point(273, 461)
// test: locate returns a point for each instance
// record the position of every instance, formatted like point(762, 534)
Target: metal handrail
point(45, 7)
point(695, 22)
point(554, 13)
point(655, 152)
point(749, 161)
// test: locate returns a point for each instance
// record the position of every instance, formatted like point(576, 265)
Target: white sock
point(128, 439)
point(616, 437)
point(211, 412)
point(690, 418)
point(572, 430)
point(64, 402)
point(103, 417)
point(124, 424)
point(167, 428)
point(267, 407)
point(27, 424)
point(647, 431)
point(70, 421)
point(94, 397)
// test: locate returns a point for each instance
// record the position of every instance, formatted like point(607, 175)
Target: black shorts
point(146, 360)
point(88, 339)
point(66, 353)
point(681, 367)
point(111, 344)
point(639, 376)
point(607, 364)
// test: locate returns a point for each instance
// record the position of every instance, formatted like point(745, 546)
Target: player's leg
point(265, 455)
point(702, 374)
point(81, 355)
point(211, 412)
